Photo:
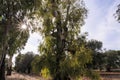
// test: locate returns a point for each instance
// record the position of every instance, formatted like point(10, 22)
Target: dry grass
point(17, 76)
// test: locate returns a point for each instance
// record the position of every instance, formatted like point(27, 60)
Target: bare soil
point(18, 76)
point(104, 76)
point(110, 75)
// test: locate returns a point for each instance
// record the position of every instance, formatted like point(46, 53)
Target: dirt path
point(17, 76)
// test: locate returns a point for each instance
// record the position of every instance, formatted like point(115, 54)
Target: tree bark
point(9, 66)
point(2, 70)
point(4, 52)
point(2, 63)
point(9, 70)
point(108, 69)
point(29, 70)
point(62, 31)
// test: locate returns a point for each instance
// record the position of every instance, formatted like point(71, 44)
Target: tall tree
point(62, 21)
point(16, 42)
point(11, 13)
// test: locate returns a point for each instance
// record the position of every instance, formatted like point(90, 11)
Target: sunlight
point(23, 26)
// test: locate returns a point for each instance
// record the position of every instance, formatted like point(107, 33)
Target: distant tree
point(23, 62)
point(98, 60)
point(113, 60)
point(95, 45)
point(18, 61)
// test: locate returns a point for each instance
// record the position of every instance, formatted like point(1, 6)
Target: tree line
point(101, 60)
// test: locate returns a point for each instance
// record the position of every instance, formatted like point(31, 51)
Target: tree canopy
point(65, 56)
point(12, 15)
point(118, 13)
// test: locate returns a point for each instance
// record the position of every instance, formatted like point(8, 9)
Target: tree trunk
point(57, 74)
point(59, 51)
point(61, 35)
point(57, 77)
point(2, 70)
point(4, 52)
point(29, 70)
point(9, 66)
point(108, 69)
point(9, 70)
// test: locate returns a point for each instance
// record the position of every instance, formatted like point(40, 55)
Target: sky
point(32, 43)
point(100, 25)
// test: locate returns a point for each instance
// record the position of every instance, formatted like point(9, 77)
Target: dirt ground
point(106, 78)
point(110, 75)
point(17, 76)
point(104, 75)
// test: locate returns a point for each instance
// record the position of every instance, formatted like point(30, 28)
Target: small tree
point(113, 60)
point(98, 60)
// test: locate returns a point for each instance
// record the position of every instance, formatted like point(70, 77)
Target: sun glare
point(23, 26)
